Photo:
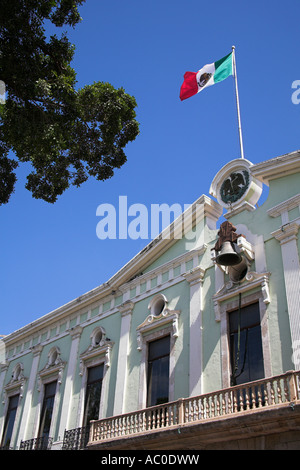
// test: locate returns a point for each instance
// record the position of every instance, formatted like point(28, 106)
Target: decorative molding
point(230, 289)
point(287, 232)
point(284, 206)
point(98, 338)
point(94, 352)
point(194, 275)
point(16, 383)
point(23, 336)
point(76, 332)
point(159, 321)
point(277, 167)
point(55, 366)
point(126, 308)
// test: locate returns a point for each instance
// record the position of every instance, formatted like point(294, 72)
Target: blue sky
point(50, 254)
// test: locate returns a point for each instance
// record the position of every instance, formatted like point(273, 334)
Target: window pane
point(247, 359)
point(47, 409)
point(95, 373)
point(93, 394)
point(10, 420)
point(158, 348)
point(158, 372)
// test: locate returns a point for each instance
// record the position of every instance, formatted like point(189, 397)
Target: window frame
point(95, 355)
point(86, 389)
point(230, 305)
point(149, 343)
point(45, 383)
point(14, 387)
point(233, 334)
point(6, 420)
point(145, 338)
point(52, 372)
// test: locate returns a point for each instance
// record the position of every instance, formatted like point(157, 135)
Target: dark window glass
point(10, 420)
point(93, 394)
point(158, 371)
point(47, 410)
point(247, 359)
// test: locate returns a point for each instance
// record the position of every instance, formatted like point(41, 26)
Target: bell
point(228, 256)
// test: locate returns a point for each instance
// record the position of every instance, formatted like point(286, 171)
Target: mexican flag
point(208, 75)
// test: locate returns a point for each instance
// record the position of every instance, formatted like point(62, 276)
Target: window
point(157, 304)
point(158, 371)
point(246, 352)
point(93, 394)
point(47, 411)
point(10, 420)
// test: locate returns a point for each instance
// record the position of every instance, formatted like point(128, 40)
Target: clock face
point(234, 186)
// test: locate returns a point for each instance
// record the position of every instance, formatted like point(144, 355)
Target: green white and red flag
point(194, 82)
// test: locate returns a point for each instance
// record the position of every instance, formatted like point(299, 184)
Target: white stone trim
point(29, 394)
point(252, 280)
point(195, 279)
point(285, 206)
point(287, 235)
point(68, 392)
point(94, 356)
point(50, 373)
point(277, 167)
point(14, 387)
point(122, 370)
point(169, 266)
point(155, 327)
point(230, 304)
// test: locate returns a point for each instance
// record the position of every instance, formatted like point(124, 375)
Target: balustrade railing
point(249, 397)
point(38, 443)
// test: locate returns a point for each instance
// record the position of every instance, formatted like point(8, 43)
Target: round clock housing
point(234, 186)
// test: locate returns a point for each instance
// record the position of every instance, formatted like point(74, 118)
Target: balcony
point(249, 411)
point(76, 439)
point(38, 443)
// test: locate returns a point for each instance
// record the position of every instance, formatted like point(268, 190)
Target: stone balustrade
point(251, 397)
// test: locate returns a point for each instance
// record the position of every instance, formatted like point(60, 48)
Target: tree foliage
point(66, 134)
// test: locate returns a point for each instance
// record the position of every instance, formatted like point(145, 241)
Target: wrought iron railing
point(38, 443)
point(250, 397)
point(76, 439)
point(6, 447)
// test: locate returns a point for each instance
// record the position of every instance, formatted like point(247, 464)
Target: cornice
point(287, 232)
point(203, 207)
point(194, 276)
point(126, 308)
point(284, 206)
point(277, 167)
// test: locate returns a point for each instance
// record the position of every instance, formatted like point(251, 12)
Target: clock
point(234, 186)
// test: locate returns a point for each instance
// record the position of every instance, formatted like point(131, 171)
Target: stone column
point(68, 393)
point(195, 279)
point(23, 433)
point(119, 403)
point(287, 236)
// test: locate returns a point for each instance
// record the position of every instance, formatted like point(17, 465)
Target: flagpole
point(237, 102)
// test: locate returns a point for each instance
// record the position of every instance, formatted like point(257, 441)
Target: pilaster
point(36, 351)
point(195, 279)
point(70, 378)
point(119, 403)
point(287, 237)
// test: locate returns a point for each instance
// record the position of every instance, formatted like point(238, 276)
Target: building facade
point(181, 348)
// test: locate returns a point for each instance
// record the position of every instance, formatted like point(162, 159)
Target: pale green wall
point(257, 222)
